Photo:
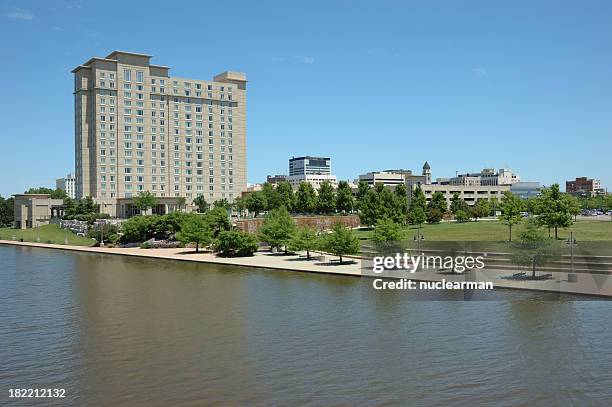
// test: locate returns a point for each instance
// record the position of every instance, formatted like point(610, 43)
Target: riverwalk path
point(587, 284)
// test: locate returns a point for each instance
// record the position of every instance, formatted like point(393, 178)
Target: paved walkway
point(588, 284)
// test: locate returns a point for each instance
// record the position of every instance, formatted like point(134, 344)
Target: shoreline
point(592, 285)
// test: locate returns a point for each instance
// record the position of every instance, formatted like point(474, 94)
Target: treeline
point(306, 200)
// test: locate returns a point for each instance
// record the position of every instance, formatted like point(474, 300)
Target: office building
point(314, 170)
point(584, 186)
point(139, 129)
point(67, 184)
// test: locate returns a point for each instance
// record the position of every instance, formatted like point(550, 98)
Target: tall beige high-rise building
point(139, 129)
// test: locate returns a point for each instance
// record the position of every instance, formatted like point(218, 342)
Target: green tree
point(387, 236)
point(434, 215)
point(533, 249)
point(438, 202)
point(277, 228)
point(462, 216)
point(573, 205)
point(481, 209)
point(401, 204)
point(145, 200)
point(234, 243)
point(194, 229)
point(273, 198)
point(305, 198)
point(416, 210)
point(417, 216)
point(287, 197)
point(240, 205)
point(201, 203)
point(458, 204)
point(326, 204)
point(7, 211)
point(369, 208)
point(554, 210)
point(305, 238)
point(86, 206)
point(344, 198)
point(341, 241)
point(222, 203)
point(218, 220)
point(362, 190)
point(511, 207)
point(255, 202)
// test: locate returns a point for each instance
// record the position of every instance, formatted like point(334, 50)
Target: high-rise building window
point(139, 76)
point(127, 75)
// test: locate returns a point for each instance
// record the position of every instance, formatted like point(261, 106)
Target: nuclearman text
point(407, 284)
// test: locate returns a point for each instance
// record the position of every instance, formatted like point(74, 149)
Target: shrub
point(434, 215)
point(140, 228)
point(233, 243)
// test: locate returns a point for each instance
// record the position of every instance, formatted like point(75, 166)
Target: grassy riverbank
point(46, 234)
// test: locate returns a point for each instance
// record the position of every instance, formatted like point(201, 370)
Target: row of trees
point(214, 229)
point(281, 233)
point(305, 200)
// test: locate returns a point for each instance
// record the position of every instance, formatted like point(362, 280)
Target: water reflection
point(123, 331)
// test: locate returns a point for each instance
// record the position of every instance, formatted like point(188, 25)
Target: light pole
point(102, 235)
point(418, 239)
point(572, 277)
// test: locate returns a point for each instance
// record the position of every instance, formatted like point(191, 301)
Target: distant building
point(67, 184)
point(314, 170)
point(275, 179)
point(526, 190)
point(470, 194)
point(486, 177)
point(251, 188)
point(389, 178)
point(584, 186)
point(34, 210)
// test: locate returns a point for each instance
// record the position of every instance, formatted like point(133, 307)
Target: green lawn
point(495, 231)
point(48, 234)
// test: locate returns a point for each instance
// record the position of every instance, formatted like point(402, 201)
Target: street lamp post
point(418, 239)
point(572, 277)
point(102, 235)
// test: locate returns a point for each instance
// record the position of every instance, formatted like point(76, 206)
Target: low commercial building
point(584, 186)
point(67, 184)
point(276, 179)
point(389, 178)
point(313, 179)
point(470, 194)
point(34, 210)
point(486, 177)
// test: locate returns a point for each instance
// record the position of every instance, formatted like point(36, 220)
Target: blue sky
point(374, 85)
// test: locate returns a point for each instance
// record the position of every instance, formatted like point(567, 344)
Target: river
point(114, 330)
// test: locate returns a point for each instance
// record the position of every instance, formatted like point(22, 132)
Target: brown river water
point(119, 331)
